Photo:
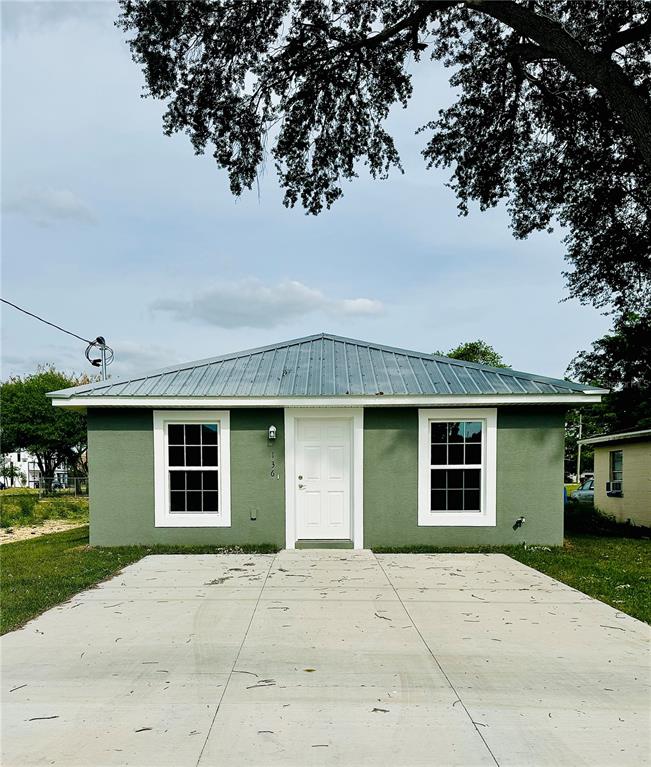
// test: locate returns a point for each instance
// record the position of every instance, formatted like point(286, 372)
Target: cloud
point(63, 358)
point(49, 206)
point(250, 303)
point(132, 358)
point(25, 17)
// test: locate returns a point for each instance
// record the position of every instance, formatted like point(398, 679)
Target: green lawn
point(41, 573)
point(615, 570)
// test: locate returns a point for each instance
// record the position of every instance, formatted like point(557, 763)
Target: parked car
point(585, 493)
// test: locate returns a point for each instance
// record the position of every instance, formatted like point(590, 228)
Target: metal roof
point(325, 365)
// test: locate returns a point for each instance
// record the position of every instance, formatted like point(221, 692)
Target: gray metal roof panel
point(326, 365)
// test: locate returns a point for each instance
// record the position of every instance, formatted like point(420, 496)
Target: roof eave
point(609, 439)
point(349, 400)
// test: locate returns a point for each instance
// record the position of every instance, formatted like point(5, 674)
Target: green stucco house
point(327, 441)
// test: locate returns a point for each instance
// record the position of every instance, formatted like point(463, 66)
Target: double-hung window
point(457, 467)
point(616, 474)
point(192, 472)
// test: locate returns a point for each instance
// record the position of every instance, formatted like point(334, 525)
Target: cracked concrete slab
point(327, 657)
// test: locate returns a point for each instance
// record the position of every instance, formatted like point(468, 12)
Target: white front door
point(322, 478)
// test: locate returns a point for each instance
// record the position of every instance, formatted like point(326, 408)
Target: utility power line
point(47, 322)
point(105, 351)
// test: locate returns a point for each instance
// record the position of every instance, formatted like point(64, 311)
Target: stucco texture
point(529, 481)
point(121, 466)
point(635, 503)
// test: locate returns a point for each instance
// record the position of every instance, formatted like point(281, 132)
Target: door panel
point(311, 462)
point(312, 508)
point(335, 462)
point(323, 478)
point(335, 507)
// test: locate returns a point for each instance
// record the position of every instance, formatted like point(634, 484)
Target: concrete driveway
point(327, 658)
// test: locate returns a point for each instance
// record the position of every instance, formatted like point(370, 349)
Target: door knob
point(301, 486)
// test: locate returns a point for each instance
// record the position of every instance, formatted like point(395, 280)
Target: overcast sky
point(111, 228)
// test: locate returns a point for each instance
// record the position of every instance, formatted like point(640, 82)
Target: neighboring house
point(327, 441)
point(27, 465)
point(622, 475)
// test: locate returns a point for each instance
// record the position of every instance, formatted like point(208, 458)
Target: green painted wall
point(121, 464)
point(529, 480)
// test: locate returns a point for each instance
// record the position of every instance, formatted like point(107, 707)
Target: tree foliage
point(10, 472)
point(621, 362)
point(55, 436)
point(580, 423)
point(476, 351)
point(552, 114)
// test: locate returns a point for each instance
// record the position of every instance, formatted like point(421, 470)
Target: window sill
point(455, 520)
point(193, 520)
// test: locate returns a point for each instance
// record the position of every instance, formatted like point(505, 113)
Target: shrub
point(62, 507)
point(17, 508)
point(583, 518)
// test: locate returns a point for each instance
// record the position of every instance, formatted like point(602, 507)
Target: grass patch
point(27, 508)
point(41, 573)
point(615, 570)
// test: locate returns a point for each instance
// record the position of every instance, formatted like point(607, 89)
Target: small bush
point(17, 508)
point(65, 507)
point(584, 518)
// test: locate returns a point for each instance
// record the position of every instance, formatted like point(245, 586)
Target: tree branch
point(598, 70)
point(409, 22)
point(627, 36)
point(527, 52)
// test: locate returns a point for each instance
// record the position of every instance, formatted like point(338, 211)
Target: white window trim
point(162, 514)
point(487, 516)
point(356, 416)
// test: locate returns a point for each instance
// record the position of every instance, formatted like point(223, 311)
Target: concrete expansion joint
point(329, 657)
point(237, 657)
point(459, 699)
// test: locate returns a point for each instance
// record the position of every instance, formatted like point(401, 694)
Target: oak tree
point(54, 436)
point(552, 112)
point(621, 362)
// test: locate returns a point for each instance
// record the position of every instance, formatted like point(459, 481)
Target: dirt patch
point(13, 534)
